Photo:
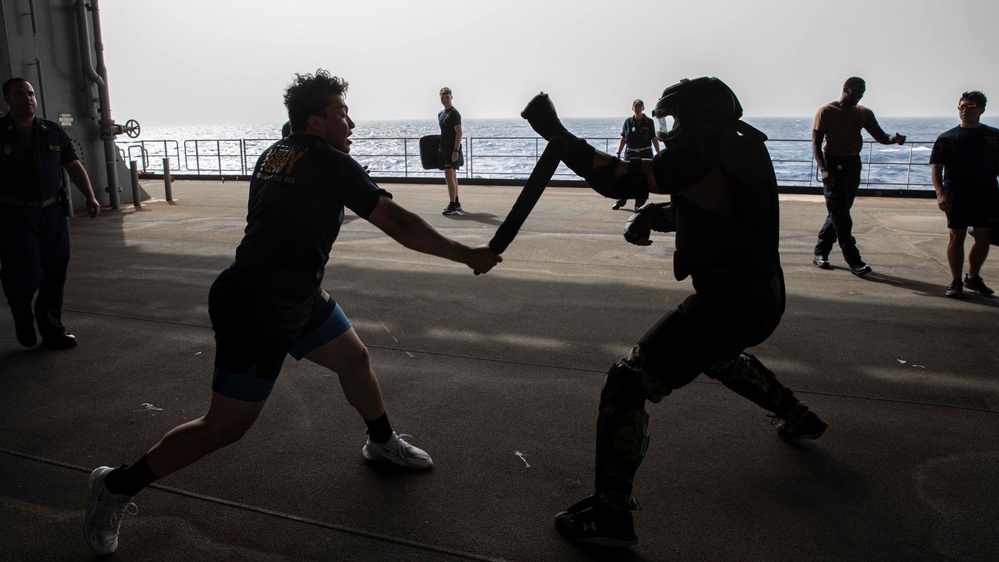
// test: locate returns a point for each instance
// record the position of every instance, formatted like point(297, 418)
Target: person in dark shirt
point(637, 137)
point(725, 212)
point(964, 166)
point(34, 230)
point(450, 155)
point(269, 303)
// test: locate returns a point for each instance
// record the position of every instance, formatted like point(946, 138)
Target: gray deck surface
point(498, 377)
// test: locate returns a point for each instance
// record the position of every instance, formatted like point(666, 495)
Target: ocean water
point(508, 148)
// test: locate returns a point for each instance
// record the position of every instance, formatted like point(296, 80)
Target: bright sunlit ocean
point(508, 148)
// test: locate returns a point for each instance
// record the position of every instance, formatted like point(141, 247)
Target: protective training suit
point(724, 210)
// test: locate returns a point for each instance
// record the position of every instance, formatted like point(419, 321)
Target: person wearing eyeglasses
point(637, 137)
point(838, 124)
point(964, 166)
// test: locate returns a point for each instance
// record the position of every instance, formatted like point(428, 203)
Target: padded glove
point(652, 216)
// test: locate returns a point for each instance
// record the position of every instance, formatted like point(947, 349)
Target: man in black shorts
point(965, 164)
point(449, 154)
point(269, 303)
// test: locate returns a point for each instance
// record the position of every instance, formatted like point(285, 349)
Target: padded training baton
point(535, 186)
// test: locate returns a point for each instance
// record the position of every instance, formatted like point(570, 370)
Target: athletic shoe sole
point(564, 527)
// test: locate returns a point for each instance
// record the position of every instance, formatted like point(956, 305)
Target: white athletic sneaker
point(104, 513)
point(397, 451)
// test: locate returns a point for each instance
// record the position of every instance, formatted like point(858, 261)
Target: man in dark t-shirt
point(965, 165)
point(449, 153)
point(269, 303)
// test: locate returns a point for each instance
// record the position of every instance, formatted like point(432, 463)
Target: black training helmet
point(695, 108)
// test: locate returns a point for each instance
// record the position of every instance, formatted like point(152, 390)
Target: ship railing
point(150, 154)
point(886, 167)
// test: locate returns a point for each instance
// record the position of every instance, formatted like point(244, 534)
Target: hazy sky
point(228, 61)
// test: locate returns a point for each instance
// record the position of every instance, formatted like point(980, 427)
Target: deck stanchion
point(134, 166)
point(166, 180)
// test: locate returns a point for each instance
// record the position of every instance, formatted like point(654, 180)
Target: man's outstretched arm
point(410, 230)
point(874, 129)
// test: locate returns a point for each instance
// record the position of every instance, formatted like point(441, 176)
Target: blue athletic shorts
point(250, 345)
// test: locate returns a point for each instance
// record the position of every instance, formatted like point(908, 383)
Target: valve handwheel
point(132, 128)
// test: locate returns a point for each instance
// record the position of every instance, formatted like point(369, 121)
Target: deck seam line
point(271, 513)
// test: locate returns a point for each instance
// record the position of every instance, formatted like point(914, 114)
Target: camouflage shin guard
point(623, 430)
point(748, 377)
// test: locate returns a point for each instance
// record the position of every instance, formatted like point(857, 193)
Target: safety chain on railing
point(513, 158)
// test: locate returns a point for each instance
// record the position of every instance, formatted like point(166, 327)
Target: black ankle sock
point(379, 430)
point(129, 480)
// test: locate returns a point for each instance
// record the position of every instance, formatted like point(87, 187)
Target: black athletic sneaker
point(811, 428)
point(860, 268)
point(977, 285)
point(820, 261)
point(955, 290)
point(587, 522)
point(450, 209)
point(457, 204)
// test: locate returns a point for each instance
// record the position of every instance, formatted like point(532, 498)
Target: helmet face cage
point(694, 108)
point(665, 124)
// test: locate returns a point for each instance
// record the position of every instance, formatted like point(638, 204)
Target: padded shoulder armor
point(739, 153)
point(748, 241)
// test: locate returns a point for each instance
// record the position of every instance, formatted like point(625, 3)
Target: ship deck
point(498, 377)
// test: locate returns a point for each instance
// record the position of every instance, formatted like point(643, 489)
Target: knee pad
point(629, 381)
